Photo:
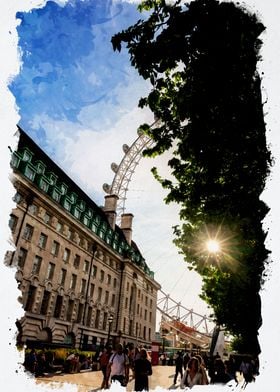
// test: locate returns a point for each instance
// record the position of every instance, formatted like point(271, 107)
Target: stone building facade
point(83, 280)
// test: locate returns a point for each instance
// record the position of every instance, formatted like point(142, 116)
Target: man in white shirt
point(118, 366)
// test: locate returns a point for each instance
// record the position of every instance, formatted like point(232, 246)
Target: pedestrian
point(202, 369)
point(246, 368)
point(220, 376)
point(30, 362)
point(192, 375)
point(186, 359)
point(103, 361)
point(118, 366)
point(142, 371)
point(178, 366)
point(41, 364)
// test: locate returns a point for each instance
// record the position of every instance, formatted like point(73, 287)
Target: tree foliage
point(201, 59)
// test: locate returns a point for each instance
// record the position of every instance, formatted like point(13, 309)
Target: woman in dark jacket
point(143, 369)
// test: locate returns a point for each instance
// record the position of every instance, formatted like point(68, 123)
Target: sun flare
point(213, 246)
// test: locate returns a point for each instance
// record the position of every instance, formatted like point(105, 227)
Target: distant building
point(82, 278)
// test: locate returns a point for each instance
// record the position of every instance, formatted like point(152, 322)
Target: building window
point(73, 282)
point(106, 297)
point(99, 294)
point(138, 307)
point(36, 265)
point(104, 324)
point(94, 271)
point(115, 283)
point(77, 260)
point(45, 302)
point(91, 290)
point(44, 185)
point(151, 303)
point(127, 286)
point(22, 254)
point(145, 315)
point(113, 300)
point(47, 218)
point(56, 195)
point(130, 327)
point(126, 303)
point(144, 332)
point(28, 232)
point(101, 276)
point(86, 266)
point(70, 234)
point(13, 222)
point(77, 213)
point(18, 198)
point(33, 209)
point(83, 287)
point(97, 319)
point(86, 220)
point(150, 317)
point(59, 227)
point(50, 271)
point(146, 301)
point(62, 276)
point(80, 313)
point(58, 306)
point(42, 241)
point(70, 310)
point(109, 279)
point(30, 298)
point(124, 325)
point(150, 334)
point(89, 316)
point(67, 205)
point(55, 248)
point(66, 255)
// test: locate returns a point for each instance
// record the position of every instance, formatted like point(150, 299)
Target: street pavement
point(89, 381)
point(161, 379)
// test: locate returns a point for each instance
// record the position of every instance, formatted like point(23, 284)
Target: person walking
point(142, 371)
point(186, 359)
point(178, 366)
point(202, 369)
point(118, 366)
point(104, 360)
point(192, 375)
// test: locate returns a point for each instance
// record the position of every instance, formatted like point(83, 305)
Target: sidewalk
point(90, 381)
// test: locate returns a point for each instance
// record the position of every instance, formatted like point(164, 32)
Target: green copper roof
point(38, 168)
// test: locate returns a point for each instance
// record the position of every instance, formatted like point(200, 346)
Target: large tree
point(201, 59)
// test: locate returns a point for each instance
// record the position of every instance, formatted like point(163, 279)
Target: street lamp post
point(110, 321)
point(93, 250)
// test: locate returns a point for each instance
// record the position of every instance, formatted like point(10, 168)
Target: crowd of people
point(42, 362)
point(117, 365)
point(197, 370)
point(134, 363)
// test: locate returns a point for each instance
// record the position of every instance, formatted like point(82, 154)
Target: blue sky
point(70, 77)
point(78, 100)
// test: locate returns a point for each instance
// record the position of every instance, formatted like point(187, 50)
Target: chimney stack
point(126, 226)
point(110, 209)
